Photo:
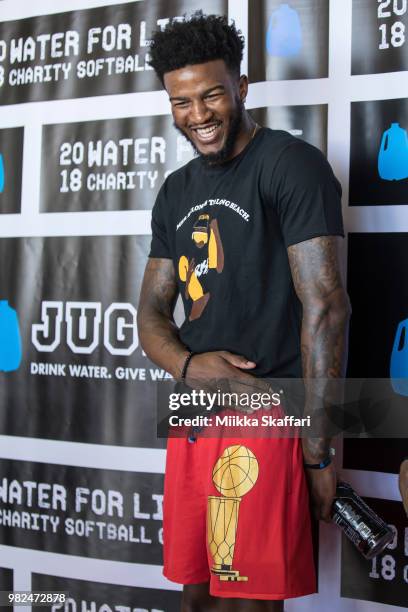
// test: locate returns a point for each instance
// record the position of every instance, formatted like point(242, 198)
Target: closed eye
point(181, 104)
point(213, 96)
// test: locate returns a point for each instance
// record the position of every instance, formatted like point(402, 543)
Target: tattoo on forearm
point(318, 284)
point(155, 314)
point(159, 289)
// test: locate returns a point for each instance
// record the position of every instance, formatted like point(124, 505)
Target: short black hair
point(199, 39)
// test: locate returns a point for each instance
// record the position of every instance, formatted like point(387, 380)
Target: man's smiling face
point(206, 102)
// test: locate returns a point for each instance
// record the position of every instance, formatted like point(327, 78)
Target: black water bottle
point(368, 532)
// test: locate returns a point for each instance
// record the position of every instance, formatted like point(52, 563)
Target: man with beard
point(236, 518)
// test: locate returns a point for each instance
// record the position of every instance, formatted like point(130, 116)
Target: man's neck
point(246, 133)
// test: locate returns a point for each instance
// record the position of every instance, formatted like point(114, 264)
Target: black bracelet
point(318, 466)
point(186, 364)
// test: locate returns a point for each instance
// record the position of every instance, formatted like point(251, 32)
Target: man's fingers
point(238, 360)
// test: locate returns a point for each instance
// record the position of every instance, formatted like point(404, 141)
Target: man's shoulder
point(294, 154)
point(278, 138)
point(285, 142)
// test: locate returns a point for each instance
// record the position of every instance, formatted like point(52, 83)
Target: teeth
point(207, 131)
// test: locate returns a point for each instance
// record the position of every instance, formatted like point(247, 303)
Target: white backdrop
point(337, 91)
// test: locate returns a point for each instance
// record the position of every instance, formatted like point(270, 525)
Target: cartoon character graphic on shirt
point(205, 236)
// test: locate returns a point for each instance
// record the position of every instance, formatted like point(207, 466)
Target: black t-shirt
point(227, 229)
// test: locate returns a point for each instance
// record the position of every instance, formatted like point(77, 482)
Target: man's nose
point(199, 113)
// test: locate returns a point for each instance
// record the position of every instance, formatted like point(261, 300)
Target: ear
point(243, 87)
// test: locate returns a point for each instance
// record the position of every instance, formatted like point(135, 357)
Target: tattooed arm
point(158, 332)
point(315, 268)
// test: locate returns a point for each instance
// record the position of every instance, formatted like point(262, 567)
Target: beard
point(221, 156)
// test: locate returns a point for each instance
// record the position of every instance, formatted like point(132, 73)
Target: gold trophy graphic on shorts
point(205, 235)
point(234, 475)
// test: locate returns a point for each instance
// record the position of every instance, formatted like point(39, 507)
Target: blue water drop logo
point(399, 360)
point(10, 338)
point(284, 34)
point(393, 154)
point(1, 174)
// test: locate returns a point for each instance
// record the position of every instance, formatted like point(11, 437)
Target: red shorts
point(236, 514)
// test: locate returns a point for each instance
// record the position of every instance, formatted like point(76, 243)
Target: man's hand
point(403, 484)
point(322, 490)
point(220, 364)
point(225, 372)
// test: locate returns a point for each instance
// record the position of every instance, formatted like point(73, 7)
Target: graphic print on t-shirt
point(206, 241)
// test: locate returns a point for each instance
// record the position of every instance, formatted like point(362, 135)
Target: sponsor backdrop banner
point(288, 41)
point(73, 348)
point(87, 595)
point(11, 169)
point(377, 341)
point(384, 304)
point(377, 455)
point(379, 36)
point(6, 579)
point(385, 577)
point(306, 122)
point(85, 53)
point(105, 514)
point(379, 153)
point(108, 165)
point(86, 141)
